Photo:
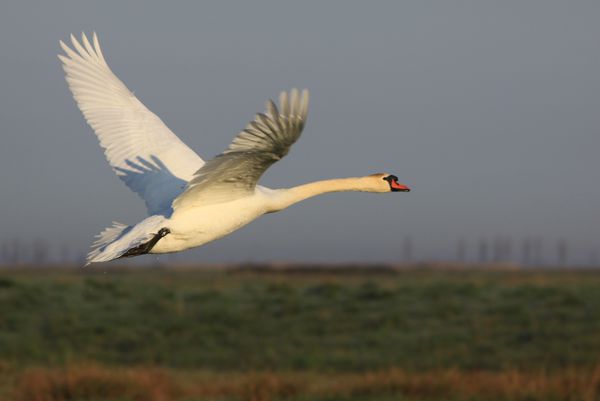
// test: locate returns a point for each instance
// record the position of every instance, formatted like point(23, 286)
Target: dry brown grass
point(93, 382)
point(570, 384)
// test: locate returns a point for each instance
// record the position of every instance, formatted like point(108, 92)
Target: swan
point(190, 201)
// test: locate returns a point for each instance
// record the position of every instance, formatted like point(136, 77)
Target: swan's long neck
point(287, 197)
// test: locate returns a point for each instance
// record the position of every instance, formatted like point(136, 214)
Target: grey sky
point(489, 110)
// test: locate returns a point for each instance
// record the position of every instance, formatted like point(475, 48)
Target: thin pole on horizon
point(508, 249)
point(537, 251)
point(5, 253)
point(39, 252)
point(526, 252)
point(562, 252)
point(407, 249)
point(461, 250)
point(483, 250)
point(497, 250)
point(64, 254)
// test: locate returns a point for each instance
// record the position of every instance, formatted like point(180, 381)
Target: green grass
point(329, 321)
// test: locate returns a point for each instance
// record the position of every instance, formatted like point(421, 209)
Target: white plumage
point(190, 202)
point(140, 148)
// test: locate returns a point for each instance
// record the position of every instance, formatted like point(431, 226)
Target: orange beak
point(399, 187)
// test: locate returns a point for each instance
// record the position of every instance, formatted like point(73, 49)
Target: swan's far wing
point(145, 154)
point(267, 139)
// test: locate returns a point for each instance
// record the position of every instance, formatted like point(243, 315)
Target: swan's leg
point(147, 246)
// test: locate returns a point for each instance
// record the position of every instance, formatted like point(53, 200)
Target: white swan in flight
point(190, 202)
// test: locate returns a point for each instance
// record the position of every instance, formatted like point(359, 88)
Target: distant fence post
point(526, 252)
point(407, 246)
point(508, 249)
point(537, 251)
point(562, 252)
point(39, 252)
point(483, 250)
point(461, 250)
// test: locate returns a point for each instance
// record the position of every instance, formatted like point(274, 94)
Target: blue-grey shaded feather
point(265, 140)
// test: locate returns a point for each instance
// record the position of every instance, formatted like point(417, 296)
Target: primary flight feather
point(190, 202)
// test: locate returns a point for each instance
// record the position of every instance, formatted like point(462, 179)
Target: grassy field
point(299, 334)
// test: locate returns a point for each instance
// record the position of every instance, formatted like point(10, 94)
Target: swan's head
point(385, 182)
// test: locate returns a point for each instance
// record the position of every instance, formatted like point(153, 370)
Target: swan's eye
point(390, 179)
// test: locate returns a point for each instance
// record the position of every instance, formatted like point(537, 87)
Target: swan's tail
point(116, 241)
point(104, 239)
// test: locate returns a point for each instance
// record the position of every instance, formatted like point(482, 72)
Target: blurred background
point(488, 110)
point(480, 284)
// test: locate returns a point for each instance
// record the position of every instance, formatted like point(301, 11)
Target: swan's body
point(190, 202)
point(195, 226)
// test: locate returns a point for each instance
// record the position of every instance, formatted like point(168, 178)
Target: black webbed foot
point(147, 246)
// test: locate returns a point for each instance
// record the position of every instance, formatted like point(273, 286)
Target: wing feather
point(144, 153)
point(265, 140)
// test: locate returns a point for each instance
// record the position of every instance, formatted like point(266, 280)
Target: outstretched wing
point(235, 172)
point(140, 148)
